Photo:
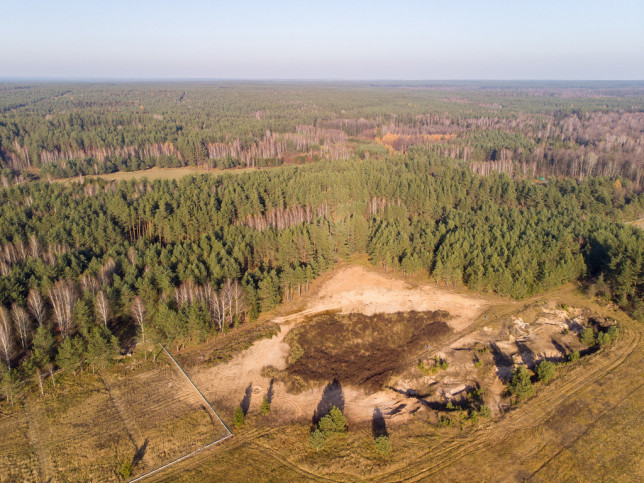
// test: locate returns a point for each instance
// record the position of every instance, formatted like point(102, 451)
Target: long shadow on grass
point(140, 453)
point(331, 396)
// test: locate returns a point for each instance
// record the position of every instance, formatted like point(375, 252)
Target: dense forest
point(417, 178)
point(522, 129)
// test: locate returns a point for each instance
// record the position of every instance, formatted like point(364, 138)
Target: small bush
point(265, 407)
point(382, 445)
point(330, 425)
point(478, 363)
point(473, 416)
point(485, 411)
point(238, 417)
point(546, 370)
point(444, 421)
point(588, 337)
point(613, 332)
point(125, 471)
point(573, 356)
point(316, 439)
point(520, 384)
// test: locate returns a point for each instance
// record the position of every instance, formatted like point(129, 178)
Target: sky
point(322, 39)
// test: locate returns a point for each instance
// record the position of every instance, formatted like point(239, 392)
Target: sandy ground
point(355, 289)
point(352, 289)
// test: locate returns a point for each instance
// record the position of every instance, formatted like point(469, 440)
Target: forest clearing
point(521, 333)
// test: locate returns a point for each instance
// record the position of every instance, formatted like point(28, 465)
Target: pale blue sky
point(250, 39)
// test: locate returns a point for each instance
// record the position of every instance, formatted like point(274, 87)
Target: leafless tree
point(63, 298)
point(34, 246)
point(6, 336)
point(23, 323)
point(138, 312)
point(36, 305)
point(107, 271)
point(103, 307)
point(215, 309)
point(238, 300)
point(89, 283)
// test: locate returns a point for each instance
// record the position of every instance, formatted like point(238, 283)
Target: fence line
point(138, 478)
point(198, 391)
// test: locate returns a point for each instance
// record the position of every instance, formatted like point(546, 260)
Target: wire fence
point(208, 405)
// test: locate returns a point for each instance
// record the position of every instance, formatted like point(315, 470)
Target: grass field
point(154, 173)
point(143, 412)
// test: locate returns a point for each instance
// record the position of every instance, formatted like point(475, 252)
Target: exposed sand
point(355, 289)
point(352, 289)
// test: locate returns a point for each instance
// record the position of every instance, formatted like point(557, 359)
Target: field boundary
point(228, 431)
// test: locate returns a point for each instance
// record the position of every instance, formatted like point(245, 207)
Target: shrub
point(613, 331)
point(520, 384)
point(316, 439)
point(473, 416)
point(333, 423)
point(265, 407)
point(573, 356)
point(546, 370)
point(588, 337)
point(238, 417)
point(339, 421)
point(125, 471)
point(383, 445)
point(444, 421)
point(485, 411)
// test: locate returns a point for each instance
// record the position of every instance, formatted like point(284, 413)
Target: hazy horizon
point(335, 41)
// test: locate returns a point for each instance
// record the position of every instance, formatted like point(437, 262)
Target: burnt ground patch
point(359, 349)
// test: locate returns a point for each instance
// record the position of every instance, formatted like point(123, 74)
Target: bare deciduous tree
point(6, 335)
point(138, 312)
point(23, 323)
point(103, 307)
point(63, 298)
point(36, 305)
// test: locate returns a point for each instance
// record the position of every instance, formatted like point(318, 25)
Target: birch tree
point(103, 307)
point(63, 298)
point(23, 323)
point(6, 336)
point(138, 312)
point(36, 305)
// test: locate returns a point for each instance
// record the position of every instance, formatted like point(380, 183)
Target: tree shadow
point(527, 356)
point(271, 391)
point(331, 396)
point(245, 403)
point(559, 347)
point(378, 424)
point(574, 326)
point(502, 361)
point(140, 453)
point(397, 409)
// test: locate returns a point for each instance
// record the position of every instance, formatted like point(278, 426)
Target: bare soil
point(363, 350)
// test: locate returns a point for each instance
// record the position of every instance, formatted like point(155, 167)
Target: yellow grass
point(157, 173)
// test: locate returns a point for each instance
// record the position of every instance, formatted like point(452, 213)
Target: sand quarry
point(495, 345)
